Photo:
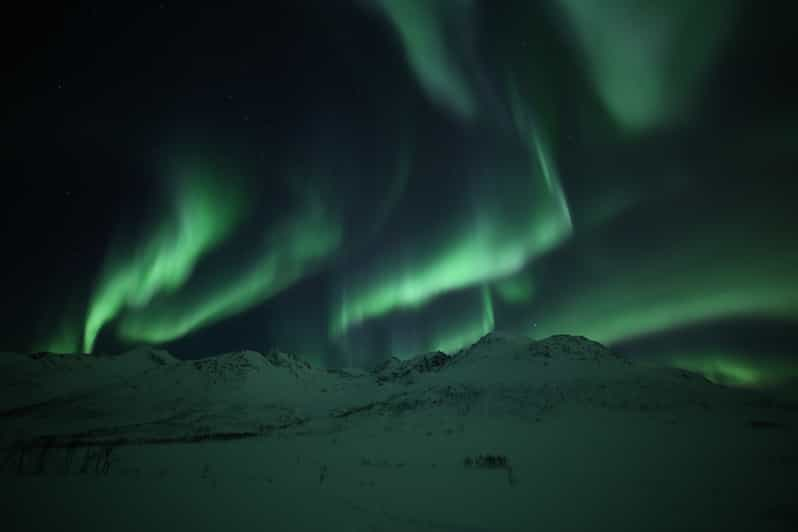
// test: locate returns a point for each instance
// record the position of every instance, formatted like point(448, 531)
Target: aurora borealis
point(384, 177)
point(646, 58)
point(204, 214)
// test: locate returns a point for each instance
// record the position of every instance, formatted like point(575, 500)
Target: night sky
point(350, 180)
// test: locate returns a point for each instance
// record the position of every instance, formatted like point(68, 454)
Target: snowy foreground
point(510, 434)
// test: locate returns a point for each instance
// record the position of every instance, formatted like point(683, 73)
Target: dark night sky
point(351, 180)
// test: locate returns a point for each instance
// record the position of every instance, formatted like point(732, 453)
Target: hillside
point(509, 434)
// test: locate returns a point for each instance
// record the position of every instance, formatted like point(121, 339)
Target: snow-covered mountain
point(509, 434)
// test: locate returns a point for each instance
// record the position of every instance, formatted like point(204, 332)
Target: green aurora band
point(738, 369)
point(646, 58)
point(493, 245)
point(206, 210)
point(711, 277)
point(420, 25)
point(528, 220)
point(288, 252)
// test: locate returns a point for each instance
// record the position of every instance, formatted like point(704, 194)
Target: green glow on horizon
point(289, 251)
point(63, 339)
point(206, 211)
point(420, 25)
point(619, 312)
point(737, 369)
point(708, 279)
point(647, 58)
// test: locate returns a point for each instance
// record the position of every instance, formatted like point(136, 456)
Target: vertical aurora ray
point(516, 289)
point(448, 324)
point(488, 320)
point(205, 212)
point(531, 132)
point(461, 333)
